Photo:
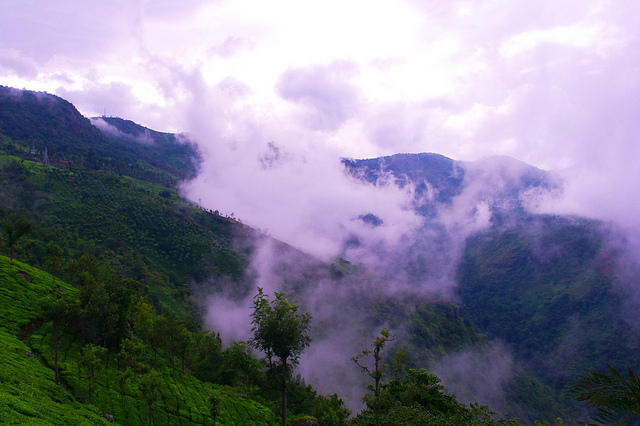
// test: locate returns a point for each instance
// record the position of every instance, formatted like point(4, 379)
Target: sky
point(289, 87)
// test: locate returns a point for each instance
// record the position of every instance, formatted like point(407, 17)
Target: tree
point(91, 360)
point(331, 411)
point(214, 407)
point(150, 387)
point(98, 313)
point(145, 325)
point(280, 331)
point(239, 367)
point(377, 372)
point(55, 257)
point(421, 388)
point(616, 397)
point(418, 399)
point(121, 378)
point(13, 231)
point(207, 358)
point(131, 354)
point(60, 311)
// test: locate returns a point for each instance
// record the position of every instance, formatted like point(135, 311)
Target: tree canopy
point(280, 330)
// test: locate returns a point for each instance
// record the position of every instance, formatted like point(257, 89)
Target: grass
point(28, 394)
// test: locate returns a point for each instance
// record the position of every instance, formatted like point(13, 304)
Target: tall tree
point(150, 385)
point(15, 230)
point(376, 372)
point(91, 360)
point(280, 331)
point(122, 377)
point(55, 258)
point(60, 311)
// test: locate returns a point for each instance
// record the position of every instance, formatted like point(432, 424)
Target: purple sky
point(554, 84)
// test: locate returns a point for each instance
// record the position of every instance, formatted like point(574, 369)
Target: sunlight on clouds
point(579, 35)
point(466, 124)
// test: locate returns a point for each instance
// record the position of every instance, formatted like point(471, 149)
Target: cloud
point(117, 98)
point(72, 28)
point(231, 46)
point(325, 90)
point(12, 62)
point(105, 127)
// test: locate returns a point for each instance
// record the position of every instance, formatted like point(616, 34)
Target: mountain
point(172, 153)
point(557, 292)
point(505, 305)
point(47, 122)
point(436, 179)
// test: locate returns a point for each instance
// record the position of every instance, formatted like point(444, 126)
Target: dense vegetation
point(549, 288)
point(144, 230)
point(131, 383)
point(114, 311)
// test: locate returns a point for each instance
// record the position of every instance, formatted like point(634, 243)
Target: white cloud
point(545, 82)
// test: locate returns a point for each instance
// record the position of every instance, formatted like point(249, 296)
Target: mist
point(275, 102)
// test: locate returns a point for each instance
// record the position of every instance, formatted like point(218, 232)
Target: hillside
point(527, 300)
point(554, 290)
point(46, 122)
point(143, 229)
point(28, 394)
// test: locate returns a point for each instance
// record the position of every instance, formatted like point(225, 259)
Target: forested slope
point(124, 254)
point(126, 388)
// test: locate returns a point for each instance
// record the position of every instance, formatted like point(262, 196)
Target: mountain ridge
point(504, 247)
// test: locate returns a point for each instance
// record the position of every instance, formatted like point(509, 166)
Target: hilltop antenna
point(105, 112)
point(46, 157)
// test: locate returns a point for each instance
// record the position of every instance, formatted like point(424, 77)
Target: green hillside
point(124, 252)
point(144, 230)
point(45, 123)
point(28, 394)
point(549, 288)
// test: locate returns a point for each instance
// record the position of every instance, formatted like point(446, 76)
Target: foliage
point(615, 396)
point(547, 287)
point(280, 331)
point(91, 361)
point(420, 399)
point(331, 411)
point(162, 245)
point(108, 220)
point(214, 407)
point(149, 386)
point(13, 231)
point(60, 311)
point(439, 327)
point(45, 120)
point(376, 372)
point(28, 392)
